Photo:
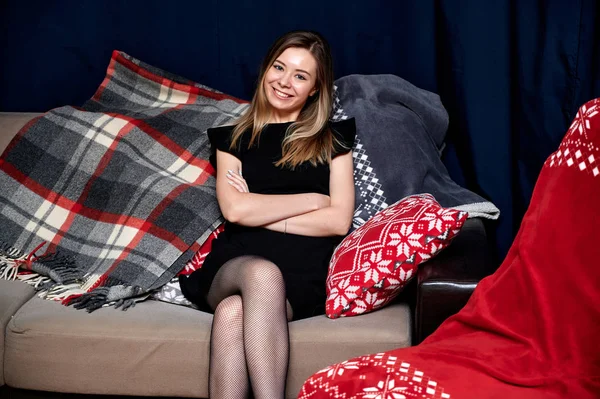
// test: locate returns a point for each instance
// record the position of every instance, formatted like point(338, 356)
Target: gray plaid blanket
point(118, 193)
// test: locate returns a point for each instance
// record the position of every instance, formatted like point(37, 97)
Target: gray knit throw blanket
point(400, 134)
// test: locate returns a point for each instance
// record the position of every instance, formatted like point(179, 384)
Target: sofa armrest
point(446, 282)
point(11, 123)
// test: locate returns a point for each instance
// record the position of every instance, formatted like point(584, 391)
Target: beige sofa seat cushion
point(318, 342)
point(13, 294)
point(153, 349)
point(159, 349)
point(11, 123)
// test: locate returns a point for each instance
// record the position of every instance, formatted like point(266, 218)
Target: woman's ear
point(313, 92)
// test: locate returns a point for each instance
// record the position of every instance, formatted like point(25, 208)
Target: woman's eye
point(300, 77)
point(278, 67)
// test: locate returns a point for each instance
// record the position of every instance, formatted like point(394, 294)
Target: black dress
point(303, 260)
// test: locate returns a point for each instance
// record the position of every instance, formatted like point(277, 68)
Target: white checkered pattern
point(577, 149)
point(370, 196)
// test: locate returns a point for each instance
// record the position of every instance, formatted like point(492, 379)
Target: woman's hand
point(239, 205)
point(237, 181)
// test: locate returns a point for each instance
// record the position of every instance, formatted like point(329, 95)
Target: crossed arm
point(309, 214)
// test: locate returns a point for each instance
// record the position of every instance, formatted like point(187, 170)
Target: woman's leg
point(265, 316)
point(228, 376)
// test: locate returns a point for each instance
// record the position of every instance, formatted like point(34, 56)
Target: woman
point(285, 186)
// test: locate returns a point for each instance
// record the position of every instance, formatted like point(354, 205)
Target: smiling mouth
point(281, 94)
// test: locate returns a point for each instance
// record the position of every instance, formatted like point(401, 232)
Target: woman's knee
point(230, 309)
point(261, 273)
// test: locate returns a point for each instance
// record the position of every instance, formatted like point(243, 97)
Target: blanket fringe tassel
point(59, 280)
point(63, 292)
point(36, 280)
point(91, 301)
point(9, 261)
point(16, 265)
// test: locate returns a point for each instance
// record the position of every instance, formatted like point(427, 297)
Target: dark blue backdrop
point(511, 73)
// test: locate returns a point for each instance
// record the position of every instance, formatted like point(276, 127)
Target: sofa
point(161, 349)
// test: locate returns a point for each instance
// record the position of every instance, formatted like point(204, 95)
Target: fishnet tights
point(249, 335)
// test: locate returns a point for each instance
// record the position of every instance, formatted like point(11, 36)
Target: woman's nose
point(284, 81)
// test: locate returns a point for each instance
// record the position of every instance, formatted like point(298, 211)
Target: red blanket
point(532, 329)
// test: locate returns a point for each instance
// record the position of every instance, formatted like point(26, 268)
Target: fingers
point(236, 186)
point(237, 181)
point(232, 176)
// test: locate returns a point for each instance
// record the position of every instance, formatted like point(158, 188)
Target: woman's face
point(289, 82)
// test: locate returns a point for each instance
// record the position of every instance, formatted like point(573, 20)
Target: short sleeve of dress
point(345, 133)
point(220, 139)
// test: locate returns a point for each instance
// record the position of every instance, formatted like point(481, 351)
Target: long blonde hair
point(308, 138)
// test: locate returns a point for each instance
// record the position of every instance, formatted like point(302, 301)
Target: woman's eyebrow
point(299, 70)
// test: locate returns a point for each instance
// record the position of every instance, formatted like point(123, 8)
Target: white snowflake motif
point(338, 300)
point(371, 275)
point(375, 264)
point(394, 283)
point(404, 275)
point(338, 369)
point(385, 390)
point(401, 380)
point(434, 248)
point(343, 293)
point(405, 240)
point(437, 219)
point(191, 265)
point(369, 301)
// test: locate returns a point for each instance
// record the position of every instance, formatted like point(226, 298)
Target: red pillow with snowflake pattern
point(373, 264)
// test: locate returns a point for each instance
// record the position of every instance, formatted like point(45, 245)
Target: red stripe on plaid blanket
point(147, 227)
point(104, 161)
point(192, 90)
point(34, 186)
point(195, 247)
point(109, 74)
point(184, 154)
point(93, 214)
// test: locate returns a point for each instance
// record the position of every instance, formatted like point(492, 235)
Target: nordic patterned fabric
point(370, 266)
point(530, 330)
point(198, 259)
point(377, 376)
point(577, 150)
point(118, 193)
